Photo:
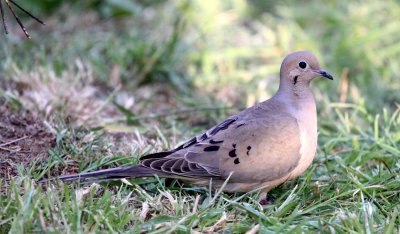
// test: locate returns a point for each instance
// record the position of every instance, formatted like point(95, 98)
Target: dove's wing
point(261, 143)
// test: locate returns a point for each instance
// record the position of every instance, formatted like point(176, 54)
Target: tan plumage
point(264, 145)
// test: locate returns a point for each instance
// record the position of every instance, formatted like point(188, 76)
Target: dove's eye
point(303, 65)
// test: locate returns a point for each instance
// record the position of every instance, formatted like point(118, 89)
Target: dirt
point(24, 139)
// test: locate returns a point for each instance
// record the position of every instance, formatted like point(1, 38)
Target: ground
point(25, 140)
point(106, 82)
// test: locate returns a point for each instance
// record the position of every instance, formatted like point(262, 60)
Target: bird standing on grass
point(261, 146)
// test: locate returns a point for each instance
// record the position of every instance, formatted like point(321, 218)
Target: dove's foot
point(265, 201)
point(268, 200)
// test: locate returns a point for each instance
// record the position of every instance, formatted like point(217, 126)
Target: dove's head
point(299, 68)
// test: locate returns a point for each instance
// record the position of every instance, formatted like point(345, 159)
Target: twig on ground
point(196, 204)
point(13, 141)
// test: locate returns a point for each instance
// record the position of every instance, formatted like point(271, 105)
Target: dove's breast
point(307, 121)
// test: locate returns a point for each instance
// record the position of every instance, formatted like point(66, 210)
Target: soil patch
point(24, 139)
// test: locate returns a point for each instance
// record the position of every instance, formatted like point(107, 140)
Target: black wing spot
point(157, 155)
point(248, 150)
point(236, 161)
point(211, 148)
point(215, 142)
point(222, 126)
point(240, 125)
point(187, 144)
point(232, 153)
point(202, 137)
point(234, 145)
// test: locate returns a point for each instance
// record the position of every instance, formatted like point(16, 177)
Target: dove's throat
point(296, 96)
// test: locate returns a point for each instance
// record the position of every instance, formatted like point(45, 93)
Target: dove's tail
point(108, 174)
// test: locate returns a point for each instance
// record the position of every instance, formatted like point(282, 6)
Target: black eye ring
point(302, 65)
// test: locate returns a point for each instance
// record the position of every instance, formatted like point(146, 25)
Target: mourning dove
point(261, 146)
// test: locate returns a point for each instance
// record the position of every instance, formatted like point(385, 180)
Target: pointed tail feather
point(112, 173)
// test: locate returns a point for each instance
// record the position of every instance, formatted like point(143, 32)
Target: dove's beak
point(324, 74)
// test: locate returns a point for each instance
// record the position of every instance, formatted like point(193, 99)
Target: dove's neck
point(300, 105)
point(298, 100)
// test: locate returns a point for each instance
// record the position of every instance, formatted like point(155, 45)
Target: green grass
point(115, 80)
